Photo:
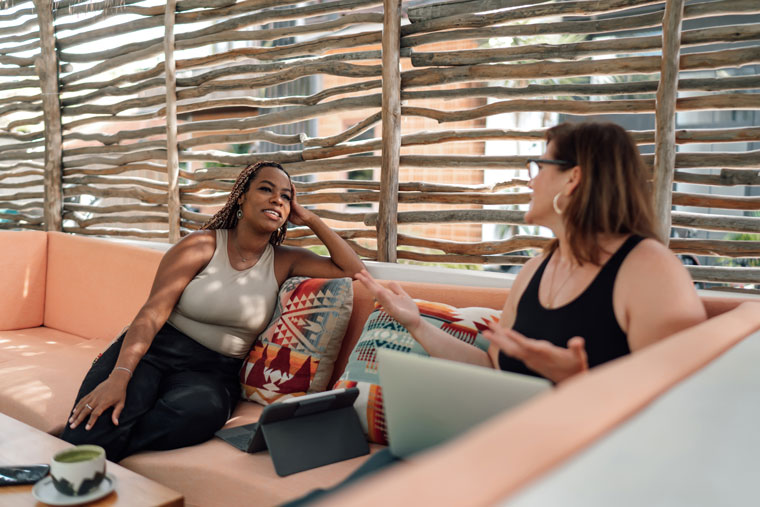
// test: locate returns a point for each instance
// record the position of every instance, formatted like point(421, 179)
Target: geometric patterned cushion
point(383, 331)
point(296, 352)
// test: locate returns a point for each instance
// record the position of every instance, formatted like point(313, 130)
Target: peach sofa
point(65, 298)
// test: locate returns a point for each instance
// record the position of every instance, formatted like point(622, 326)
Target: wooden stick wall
point(127, 121)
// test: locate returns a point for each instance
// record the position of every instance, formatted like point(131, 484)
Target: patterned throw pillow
point(296, 352)
point(383, 331)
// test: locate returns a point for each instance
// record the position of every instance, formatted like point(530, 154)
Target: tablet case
point(247, 438)
point(305, 433)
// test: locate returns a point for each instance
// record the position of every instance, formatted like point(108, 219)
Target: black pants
point(180, 394)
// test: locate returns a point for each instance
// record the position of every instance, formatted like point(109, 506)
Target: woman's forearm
point(137, 341)
point(439, 343)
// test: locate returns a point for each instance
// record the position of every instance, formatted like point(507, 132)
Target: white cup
point(78, 470)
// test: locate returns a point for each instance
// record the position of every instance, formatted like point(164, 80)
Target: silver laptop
point(428, 401)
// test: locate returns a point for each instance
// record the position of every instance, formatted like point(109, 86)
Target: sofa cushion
point(296, 352)
point(216, 474)
point(383, 331)
point(23, 257)
point(236, 478)
point(40, 389)
point(95, 287)
point(35, 342)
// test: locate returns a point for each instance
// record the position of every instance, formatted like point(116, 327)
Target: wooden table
point(21, 444)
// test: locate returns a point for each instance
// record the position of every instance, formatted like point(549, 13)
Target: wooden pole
point(665, 117)
point(172, 155)
point(46, 66)
point(387, 227)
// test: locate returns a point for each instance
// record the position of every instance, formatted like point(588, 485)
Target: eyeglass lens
point(533, 169)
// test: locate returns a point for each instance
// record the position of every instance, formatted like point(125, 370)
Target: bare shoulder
point(287, 258)
point(657, 295)
point(652, 259)
point(289, 255)
point(179, 265)
point(286, 250)
point(526, 273)
point(518, 287)
point(198, 245)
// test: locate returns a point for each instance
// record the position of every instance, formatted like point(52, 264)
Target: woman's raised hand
point(541, 356)
point(298, 214)
point(395, 301)
point(112, 392)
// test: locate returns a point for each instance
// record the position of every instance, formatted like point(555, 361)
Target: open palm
point(550, 361)
point(394, 299)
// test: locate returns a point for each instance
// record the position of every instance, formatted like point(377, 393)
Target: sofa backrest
point(23, 263)
point(95, 287)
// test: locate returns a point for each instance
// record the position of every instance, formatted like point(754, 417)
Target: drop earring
point(239, 214)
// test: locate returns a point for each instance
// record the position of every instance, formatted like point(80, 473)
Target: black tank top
point(590, 316)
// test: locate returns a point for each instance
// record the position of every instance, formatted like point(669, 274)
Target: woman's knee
point(200, 405)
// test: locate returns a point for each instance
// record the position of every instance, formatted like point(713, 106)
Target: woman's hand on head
point(112, 392)
point(541, 356)
point(298, 214)
point(395, 301)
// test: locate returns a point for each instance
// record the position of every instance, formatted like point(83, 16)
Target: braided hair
point(226, 218)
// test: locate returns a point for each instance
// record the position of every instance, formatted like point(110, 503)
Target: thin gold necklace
point(553, 298)
point(237, 248)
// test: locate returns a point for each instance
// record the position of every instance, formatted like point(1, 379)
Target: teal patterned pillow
point(383, 331)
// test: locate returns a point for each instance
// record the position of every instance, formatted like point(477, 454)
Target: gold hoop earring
point(557, 209)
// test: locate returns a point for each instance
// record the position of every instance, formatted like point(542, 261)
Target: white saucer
point(45, 492)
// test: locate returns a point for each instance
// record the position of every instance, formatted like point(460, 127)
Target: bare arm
point(342, 262)
point(178, 266)
point(436, 342)
point(655, 295)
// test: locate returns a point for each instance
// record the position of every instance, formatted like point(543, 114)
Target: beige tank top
point(225, 309)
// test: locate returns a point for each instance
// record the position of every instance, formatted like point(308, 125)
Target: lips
point(273, 213)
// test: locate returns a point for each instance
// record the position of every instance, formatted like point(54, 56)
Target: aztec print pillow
point(296, 352)
point(383, 331)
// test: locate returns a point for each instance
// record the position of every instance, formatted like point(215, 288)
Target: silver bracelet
point(125, 369)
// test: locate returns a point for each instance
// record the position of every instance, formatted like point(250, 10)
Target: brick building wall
point(332, 125)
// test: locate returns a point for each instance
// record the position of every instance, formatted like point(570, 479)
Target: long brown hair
point(614, 193)
point(226, 218)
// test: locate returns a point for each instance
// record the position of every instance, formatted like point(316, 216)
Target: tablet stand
point(304, 433)
point(311, 441)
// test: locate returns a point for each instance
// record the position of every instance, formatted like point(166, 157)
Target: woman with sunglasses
point(603, 288)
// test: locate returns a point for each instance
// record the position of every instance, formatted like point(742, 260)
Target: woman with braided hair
point(172, 379)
